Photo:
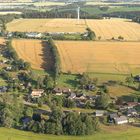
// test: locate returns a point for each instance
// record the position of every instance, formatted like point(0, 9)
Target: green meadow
point(12, 134)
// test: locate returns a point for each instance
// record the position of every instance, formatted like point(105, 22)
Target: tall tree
point(6, 117)
point(48, 82)
point(102, 101)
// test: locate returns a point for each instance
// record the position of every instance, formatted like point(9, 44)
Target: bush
point(91, 34)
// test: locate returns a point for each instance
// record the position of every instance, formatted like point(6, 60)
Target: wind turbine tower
point(78, 13)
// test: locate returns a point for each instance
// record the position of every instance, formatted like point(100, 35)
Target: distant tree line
point(129, 15)
point(59, 14)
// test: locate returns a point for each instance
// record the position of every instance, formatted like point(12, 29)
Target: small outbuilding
point(99, 113)
point(121, 120)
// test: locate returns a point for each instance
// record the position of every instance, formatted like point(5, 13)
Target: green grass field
point(68, 80)
point(129, 134)
point(71, 80)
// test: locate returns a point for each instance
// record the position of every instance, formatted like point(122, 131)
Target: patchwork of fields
point(106, 29)
point(103, 57)
point(34, 51)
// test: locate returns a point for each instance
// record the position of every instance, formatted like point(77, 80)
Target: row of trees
point(57, 65)
point(55, 13)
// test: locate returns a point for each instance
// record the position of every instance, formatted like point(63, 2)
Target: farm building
point(57, 91)
point(36, 93)
point(34, 35)
point(137, 78)
point(130, 104)
point(81, 97)
point(121, 120)
point(60, 91)
point(99, 113)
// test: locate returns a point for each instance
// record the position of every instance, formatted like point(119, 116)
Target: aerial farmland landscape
point(69, 69)
point(119, 27)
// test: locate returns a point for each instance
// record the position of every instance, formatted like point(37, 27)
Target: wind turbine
point(78, 13)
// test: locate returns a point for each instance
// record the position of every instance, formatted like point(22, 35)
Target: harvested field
point(34, 51)
point(109, 28)
point(101, 57)
point(47, 25)
point(106, 29)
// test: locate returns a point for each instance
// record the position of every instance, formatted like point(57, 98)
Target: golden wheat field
point(34, 51)
point(109, 28)
point(103, 57)
point(106, 28)
point(47, 25)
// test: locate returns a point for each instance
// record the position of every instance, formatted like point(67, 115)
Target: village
point(69, 69)
point(109, 110)
point(123, 112)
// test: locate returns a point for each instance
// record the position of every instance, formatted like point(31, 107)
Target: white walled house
point(121, 120)
point(36, 93)
point(34, 35)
